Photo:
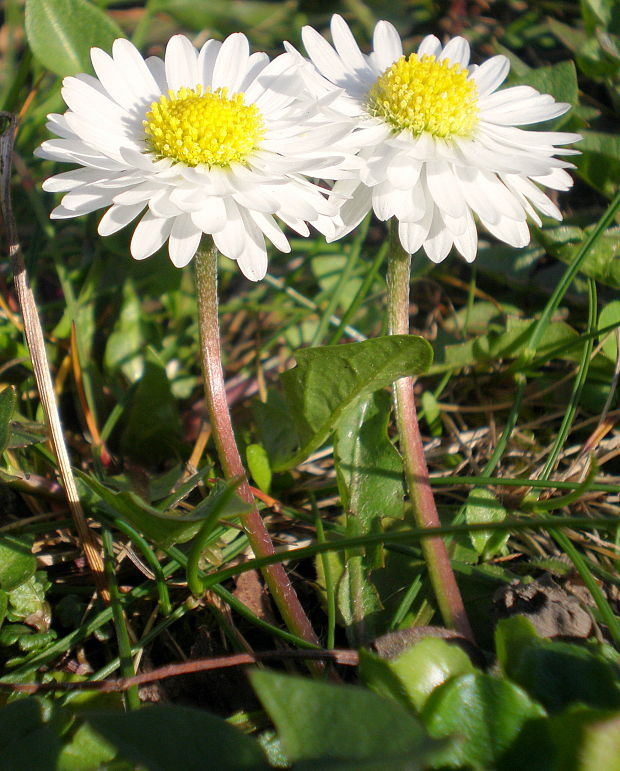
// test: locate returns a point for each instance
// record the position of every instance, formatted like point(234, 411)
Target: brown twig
point(348, 658)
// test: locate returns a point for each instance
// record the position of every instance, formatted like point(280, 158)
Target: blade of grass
point(413, 535)
point(360, 296)
point(345, 274)
point(120, 622)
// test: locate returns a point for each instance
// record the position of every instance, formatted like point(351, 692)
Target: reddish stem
point(416, 471)
point(275, 576)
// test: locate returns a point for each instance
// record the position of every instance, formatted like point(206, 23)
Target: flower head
point(438, 142)
point(216, 141)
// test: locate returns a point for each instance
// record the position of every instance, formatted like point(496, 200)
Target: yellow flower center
point(193, 127)
point(422, 94)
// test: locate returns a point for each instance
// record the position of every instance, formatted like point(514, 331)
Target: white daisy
point(439, 142)
point(216, 141)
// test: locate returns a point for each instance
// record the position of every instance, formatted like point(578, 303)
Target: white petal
point(184, 240)
point(82, 98)
point(138, 194)
point(509, 231)
point(323, 56)
point(206, 62)
point(299, 226)
point(445, 189)
point(117, 217)
point(99, 136)
point(181, 63)
point(276, 85)
point(456, 51)
point(430, 46)
point(384, 200)
point(270, 228)
point(255, 65)
point(232, 61)
point(157, 68)
point(87, 198)
point(347, 48)
point(412, 204)
point(112, 79)
point(161, 205)
point(70, 179)
point(439, 240)
point(131, 64)
point(149, 236)
point(537, 197)
point(413, 234)
point(403, 172)
point(230, 240)
point(557, 179)
point(353, 211)
point(253, 259)
point(211, 218)
point(258, 199)
point(467, 242)
point(387, 45)
point(491, 74)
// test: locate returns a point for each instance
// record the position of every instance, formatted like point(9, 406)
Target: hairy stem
point(416, 471)
point(275, 576)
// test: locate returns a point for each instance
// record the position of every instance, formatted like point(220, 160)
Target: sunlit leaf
point(62, 32)
point(329, 380)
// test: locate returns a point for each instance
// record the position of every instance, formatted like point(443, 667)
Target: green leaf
point(608, 316)
point(163, 529)
point(601, 13)
point(483, 506)
point(599, 163)
point(86, 751)
point(369, 474)
point(432, 413)
point(508, 345)
point(17, 562)
point(8, 399)
point(27, 741)
point(258, 465)
point(275, 426)
point(587, 739)
point(512, 638)
point(601, 262)
point(331, 379)
point(555, 673)
point(487, 714)
point(125, 346)
point(152, 427)
point(559, 80)
point(27, 603)
point(359, 602)
point(62, 32)
point(4, 604)
point(412, 676)
point(169, 738)
point(368, 466)
point(26, 432)
point(321, 722)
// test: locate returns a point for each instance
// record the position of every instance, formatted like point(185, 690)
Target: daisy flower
point(216, 141)
point(439, 142)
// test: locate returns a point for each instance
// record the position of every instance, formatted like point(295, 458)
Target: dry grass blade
point(36, 347)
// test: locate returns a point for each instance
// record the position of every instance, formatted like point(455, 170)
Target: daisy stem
point(416, 471)
point(275, 576)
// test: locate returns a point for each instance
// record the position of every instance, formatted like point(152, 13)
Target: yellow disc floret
point(193, 126)
point(421, 94)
